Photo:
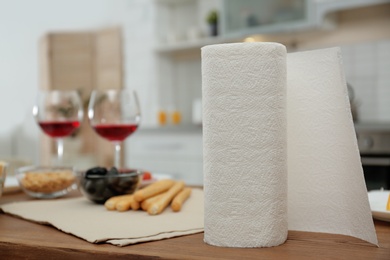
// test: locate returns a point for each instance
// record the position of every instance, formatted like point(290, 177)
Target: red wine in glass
point(58, 113)
point(115, 132)
point(114, 114)
point(59, 128)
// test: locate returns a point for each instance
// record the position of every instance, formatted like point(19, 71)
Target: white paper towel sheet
point(245, 157)
point(245, 147)
point(326, 188)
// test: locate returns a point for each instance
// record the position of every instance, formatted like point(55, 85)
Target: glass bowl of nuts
point(44, 182)
point(98, 184)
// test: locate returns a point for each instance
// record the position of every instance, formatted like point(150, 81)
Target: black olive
point(89, 186)
point(113, 171)
point(96, 171)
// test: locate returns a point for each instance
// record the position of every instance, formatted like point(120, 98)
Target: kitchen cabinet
point(306, 25)
point(81, 61)
point(247, 17)
point(181, 31)
point(181, 25)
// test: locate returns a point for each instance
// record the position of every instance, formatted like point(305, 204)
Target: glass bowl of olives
point(98, 184)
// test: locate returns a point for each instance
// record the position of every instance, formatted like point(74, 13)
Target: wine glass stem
point(117, 158)
point(60, 150)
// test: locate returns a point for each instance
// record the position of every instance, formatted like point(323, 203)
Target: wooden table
point(21, 239)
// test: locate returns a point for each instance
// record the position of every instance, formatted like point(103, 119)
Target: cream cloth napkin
point(93, 223)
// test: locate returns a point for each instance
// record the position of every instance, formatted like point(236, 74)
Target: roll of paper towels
point(244, 138)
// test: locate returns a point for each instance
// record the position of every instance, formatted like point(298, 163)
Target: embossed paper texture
point(279, 137)
point(244, 131)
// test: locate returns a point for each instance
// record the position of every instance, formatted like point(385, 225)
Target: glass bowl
point(99, 184)
point(44, 182)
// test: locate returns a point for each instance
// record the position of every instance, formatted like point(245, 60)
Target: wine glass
point(59, 113)
point(114, 114)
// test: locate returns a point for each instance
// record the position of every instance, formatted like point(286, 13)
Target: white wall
point(23, 22)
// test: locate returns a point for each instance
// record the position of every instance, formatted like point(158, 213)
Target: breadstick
point(180, 198)
point(124, 203)
point(111, 202)
point(146, 203)
point(153, 189)
point(159, 205)
point(135, 205)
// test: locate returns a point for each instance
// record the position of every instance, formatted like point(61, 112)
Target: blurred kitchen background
point(154, 47)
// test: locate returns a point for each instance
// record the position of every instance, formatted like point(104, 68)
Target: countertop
point(21, 239)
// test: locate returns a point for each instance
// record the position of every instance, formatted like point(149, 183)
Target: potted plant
point(212, 20)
